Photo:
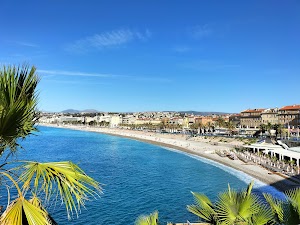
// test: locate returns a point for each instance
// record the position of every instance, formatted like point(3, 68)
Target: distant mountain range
point(80, 111)
point(188, 112)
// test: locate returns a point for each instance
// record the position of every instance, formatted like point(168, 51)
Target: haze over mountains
point(188, 112)
point(80, 111)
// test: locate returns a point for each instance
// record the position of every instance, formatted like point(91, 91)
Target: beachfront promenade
point(204, 147)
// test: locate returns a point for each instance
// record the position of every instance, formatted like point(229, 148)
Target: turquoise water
point(138, 178)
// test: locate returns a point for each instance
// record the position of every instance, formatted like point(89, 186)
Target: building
point(184, 122)
point(191, 120)
point(204, 120)
point(129, 119)
point(289, 116)
point(174, 121)
point(235, 119)
point(103, 118)
point(270, 116)
point(115, 120)
point(251, 118)
point(147, 121)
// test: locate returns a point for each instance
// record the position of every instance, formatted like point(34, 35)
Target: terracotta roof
point(233, 115)
point(290, 107)
point(253, 110)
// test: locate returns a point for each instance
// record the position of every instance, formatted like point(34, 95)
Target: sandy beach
point(198, 146)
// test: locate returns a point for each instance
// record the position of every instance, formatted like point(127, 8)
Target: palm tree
point(229, 125)
point(220, 122)
point(36, 183)
point(286, 212)
point(269, 128)
point(151, 219)
point(209, 126)
point(262, 128)
point(278, 128)
point(232, 208)
point(204, 209)
point(18, 101)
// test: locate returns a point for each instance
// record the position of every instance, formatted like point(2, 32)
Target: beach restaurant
point(276, 150)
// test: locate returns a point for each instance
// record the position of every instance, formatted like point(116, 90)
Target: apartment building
point(115, 120)
point(204, 120)
point(270, 116)
point(251, 118)
point(289, 116)
point(129, 119)
point(147, 121)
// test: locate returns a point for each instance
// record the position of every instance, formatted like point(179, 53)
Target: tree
point(246, 208)
point(232, 208)
point(36, 183)
point(18, 101)
point(210, 127)
point(262, 128)
point(229, 125)
point(286, 212)
point(269, 128)
point(220, 122)
point(278, 129)
point(152, 219)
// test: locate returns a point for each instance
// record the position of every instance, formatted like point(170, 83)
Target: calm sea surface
point(138, 178)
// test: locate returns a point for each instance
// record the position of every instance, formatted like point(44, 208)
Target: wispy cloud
point(148, 78)
point(108, 39)
point(76, 82)
point(26, 44)
point(200, 31)
point(74, 73)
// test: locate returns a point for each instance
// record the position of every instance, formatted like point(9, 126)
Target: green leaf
point(151, 219)
point(204, 208)
point(62, 178)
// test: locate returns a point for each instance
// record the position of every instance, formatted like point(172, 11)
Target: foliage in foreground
point(18, 100)
point(242, 208)
point(151, 219)
point(37, 184)
point(232, 207)
point(245, 208)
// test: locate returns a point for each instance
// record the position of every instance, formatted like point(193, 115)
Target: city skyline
point(162, 56)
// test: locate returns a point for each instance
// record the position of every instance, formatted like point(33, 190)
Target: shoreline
point(198, 148)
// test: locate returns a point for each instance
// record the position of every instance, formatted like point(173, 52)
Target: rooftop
point(290, 107)
point(253, 110)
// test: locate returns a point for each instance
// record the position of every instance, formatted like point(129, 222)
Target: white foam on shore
point(261, 186)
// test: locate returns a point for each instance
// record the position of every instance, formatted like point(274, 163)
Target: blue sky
point(140, 55)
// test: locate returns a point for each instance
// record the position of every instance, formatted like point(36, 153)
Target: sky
point(156, 55)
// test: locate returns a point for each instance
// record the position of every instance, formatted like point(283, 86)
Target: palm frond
point(238, 207)
point(277, 207)
point(60, 178)
point(21, 211)
point(293, 197)
point(37, 203)
point(227, 206)
point(263, 217)
point(203, 208)
point(18, 101)
point(151, 219)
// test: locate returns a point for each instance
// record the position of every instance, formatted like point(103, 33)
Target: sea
point(137, 178)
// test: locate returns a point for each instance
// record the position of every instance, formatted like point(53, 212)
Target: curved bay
point(137, 177)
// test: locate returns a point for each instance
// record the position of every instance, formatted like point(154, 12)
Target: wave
point(258, 185)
